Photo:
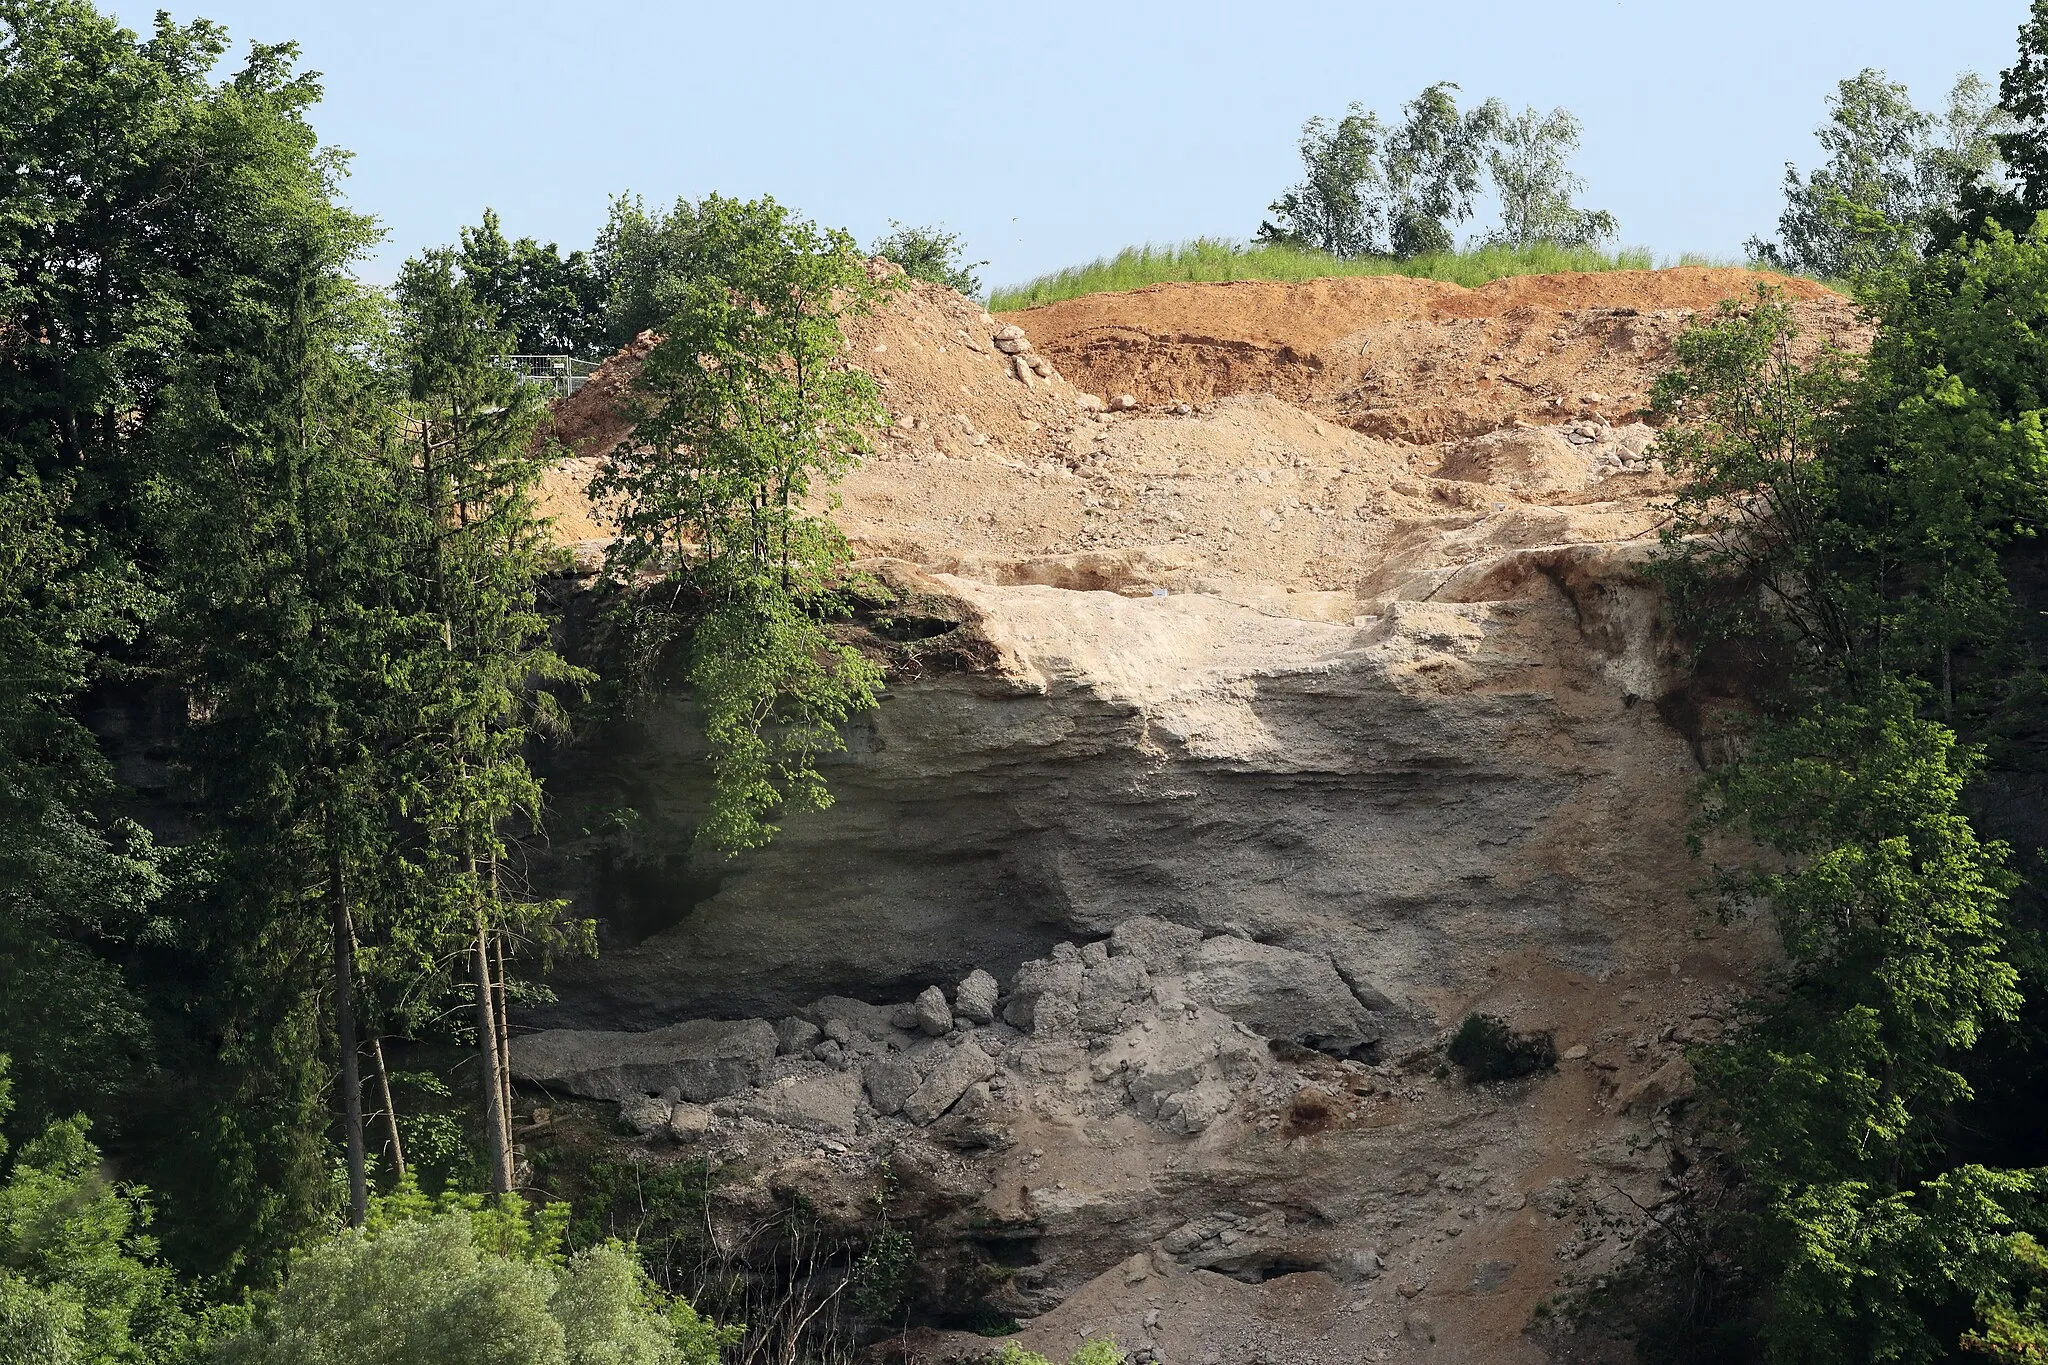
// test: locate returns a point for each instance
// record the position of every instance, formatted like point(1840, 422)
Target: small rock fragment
point(1575, 1053)
point(794, 1035)
point(931, 1013)
point(1661, 1089)
point(645, 1114)
point(1123, 402)
point(687, 1122)
point(974, 999)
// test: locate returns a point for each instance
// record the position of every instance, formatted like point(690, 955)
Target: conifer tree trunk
point(390, 1110)
point(504, 1004)
point(493, 1078)
point(345, 1036)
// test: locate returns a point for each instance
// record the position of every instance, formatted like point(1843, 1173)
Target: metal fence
point(560, 375)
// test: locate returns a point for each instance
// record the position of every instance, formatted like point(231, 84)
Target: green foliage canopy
point(551, 304)
point(80, 1281)
point(1374, 190)
point(459, 1282)
point(747, 411)
point(931, 254)
point(1893, 173)
point(1530, 160)
point(1848, 529)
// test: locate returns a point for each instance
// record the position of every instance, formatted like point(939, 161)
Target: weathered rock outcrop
point(1231, 757)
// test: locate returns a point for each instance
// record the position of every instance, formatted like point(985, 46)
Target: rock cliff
point(1276, 683)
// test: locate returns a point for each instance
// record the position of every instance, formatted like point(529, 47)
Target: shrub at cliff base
point(465, 1283)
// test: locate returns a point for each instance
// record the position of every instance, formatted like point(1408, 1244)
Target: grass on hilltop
point(1212, 258)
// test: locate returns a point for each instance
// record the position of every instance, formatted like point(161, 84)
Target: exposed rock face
point(1403, 797)
point(1245, 753)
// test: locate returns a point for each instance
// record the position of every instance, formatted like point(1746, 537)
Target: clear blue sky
point(1049, 132)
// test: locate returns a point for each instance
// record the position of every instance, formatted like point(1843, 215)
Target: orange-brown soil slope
point(1323, 439)
point(1417, 360)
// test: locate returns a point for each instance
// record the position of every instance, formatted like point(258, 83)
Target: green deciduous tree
point(290, 537)
point(479, 660)
point(1339, 205)
point(1434, 163)
point(72, 885)
point(1852, 528)
point(1372, 190)
point(748, 412)
point(2015, 1326)
point(1893, 173)
point(551, 304)
point(1530, 161)
point(157, 230)
point(2022, 142)
point(645, 256)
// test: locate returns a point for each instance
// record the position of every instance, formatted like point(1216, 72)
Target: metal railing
point(561, 375)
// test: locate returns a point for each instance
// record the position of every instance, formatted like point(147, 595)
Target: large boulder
point(1164, 947)
point(1044, 992)
point(1280, 993)
point(959, 1069)
point(1181, 1069)
point(700, 1059)
point(823, 1103)
point(845, 1020)
point(975, 998)
point(1534, 459)
point(892, 1079)
point(1109, 989)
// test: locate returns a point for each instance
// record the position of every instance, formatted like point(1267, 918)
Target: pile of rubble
point(1155, 1020)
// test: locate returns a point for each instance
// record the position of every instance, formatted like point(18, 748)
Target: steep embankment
point(1319, 698)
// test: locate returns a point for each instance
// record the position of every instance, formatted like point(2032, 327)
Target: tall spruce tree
point(479, 682)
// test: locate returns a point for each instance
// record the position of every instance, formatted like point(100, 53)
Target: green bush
point(930, 253)
point(1486, 1049)
point(462, 1283)
point(1101, 1351)
point(80, 1281)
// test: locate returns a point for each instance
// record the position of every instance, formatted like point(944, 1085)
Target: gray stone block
point(700, 1059)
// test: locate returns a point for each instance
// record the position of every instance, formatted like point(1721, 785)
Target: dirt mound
point(1412, 360)
point(1298, 445)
